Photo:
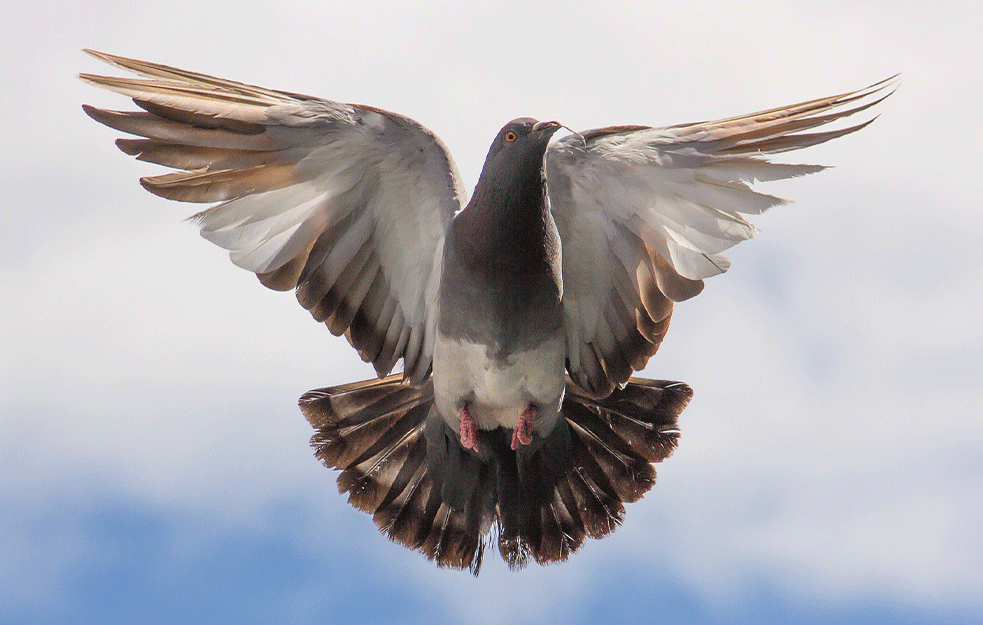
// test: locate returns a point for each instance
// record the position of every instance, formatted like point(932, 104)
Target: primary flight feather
point(519, 316)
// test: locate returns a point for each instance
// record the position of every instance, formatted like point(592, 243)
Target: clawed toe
point(522, 434)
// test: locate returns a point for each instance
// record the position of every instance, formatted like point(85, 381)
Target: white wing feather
point(639, 206)
point(346, 203)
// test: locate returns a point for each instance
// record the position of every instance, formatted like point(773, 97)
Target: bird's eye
point(510, 137)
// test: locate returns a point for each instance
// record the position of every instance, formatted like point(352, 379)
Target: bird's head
point(522, 138)
point(518, 150)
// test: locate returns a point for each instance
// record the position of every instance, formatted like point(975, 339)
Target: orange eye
point(510, 137)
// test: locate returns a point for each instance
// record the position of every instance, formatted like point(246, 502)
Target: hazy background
point(154, 467)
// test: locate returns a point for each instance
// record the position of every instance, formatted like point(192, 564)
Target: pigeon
point(519, 315)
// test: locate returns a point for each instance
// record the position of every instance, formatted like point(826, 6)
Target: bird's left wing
point(644, 214)
point(346, 203)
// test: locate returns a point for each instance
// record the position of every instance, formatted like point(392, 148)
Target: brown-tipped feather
point(322, 296)
point(153, 127)
point(611, 352)
point(403, 513)
point(669, 283)
point(785, 143)
point(607, 131)
point(194, 116)
point(198, 94)
point(553, 544)
point(779, 129)
point(353, 296)
point(285, 278)
point(363, 434)
point(396, 338)
point(190, 157)
point(644, 414)
point(762, 129)
point(601, 512)
point(412, 468)
point(365, 331)
point(636, 317)
point(158, 70)
point(629, 474)
point(234, 140)
point(369, 479)
point(791, 111)
point(575, 530)
point(374, 432)
point(218, 186)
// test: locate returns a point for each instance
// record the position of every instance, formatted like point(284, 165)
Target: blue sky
point(154, 466)
point(147, 574)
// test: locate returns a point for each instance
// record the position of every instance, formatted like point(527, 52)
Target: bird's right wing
point(348, 204)
point(644, 214)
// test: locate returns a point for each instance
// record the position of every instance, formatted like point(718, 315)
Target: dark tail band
point(403, 465)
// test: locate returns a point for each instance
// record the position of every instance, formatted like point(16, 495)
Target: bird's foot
point(522, 434)
point(469, 431)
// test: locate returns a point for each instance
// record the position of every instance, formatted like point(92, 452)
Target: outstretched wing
point(346, 203)
point(644, 214)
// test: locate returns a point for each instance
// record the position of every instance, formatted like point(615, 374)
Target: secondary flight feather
point(519, 316)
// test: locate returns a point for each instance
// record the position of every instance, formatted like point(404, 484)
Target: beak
point(549, 126)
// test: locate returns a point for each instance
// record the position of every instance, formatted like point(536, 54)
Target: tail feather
point(351, 418)
point(374, 432)
point(601, 509)
point(401, 463)
point(609, 458)
point(643, 414)
point(384, 471)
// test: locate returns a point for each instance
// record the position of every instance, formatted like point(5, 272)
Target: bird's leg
point(522, 434)
point(469, 430)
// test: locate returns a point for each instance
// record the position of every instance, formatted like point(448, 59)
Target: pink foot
point(522, 434)
point(469, 430)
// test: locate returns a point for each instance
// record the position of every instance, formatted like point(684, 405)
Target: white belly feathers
point(497, 392)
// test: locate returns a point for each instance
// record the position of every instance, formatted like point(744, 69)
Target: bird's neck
point(501, 279)
point(515, 217)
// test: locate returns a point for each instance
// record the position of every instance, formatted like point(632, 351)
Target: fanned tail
point(401, 463)
point(376, 433)
point(596, 460)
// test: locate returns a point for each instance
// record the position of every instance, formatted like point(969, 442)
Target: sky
point(154, 467)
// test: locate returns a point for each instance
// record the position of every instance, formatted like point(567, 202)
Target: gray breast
point(502, 290)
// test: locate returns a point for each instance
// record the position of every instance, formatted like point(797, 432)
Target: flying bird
point(519, 315)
